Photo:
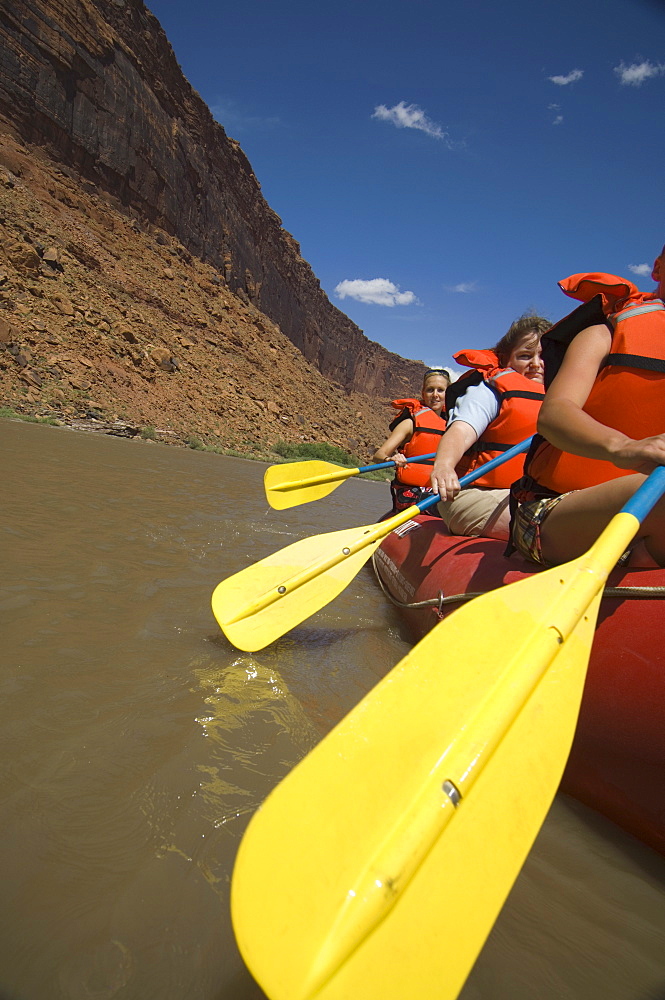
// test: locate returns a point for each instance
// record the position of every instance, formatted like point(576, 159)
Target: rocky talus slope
point(107, 321)
point(143, 273)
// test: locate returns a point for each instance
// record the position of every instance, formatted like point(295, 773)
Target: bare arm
point(388, 451)
point(563, 421)
point(458, 437)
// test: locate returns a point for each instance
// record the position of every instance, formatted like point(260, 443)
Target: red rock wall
point(96, 83)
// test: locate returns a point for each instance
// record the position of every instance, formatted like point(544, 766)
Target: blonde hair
point(443, 372)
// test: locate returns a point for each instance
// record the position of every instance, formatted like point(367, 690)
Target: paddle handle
point(470, 477)
point(386, 465)
point(648, 494)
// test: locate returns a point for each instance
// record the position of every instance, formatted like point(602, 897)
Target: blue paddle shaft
point(648, 494)
point(385, 465)
point(639, 504)
point(517, 449)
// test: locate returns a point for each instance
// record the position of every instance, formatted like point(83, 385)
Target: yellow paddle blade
point(257, 605)
point(301, 482)
point(378, 866)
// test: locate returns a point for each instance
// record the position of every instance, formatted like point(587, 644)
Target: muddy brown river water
point(135, 741)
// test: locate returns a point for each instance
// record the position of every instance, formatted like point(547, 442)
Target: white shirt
point(478, 406)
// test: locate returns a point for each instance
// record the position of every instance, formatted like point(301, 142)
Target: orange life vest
point(427, 432)
point(519, 400)
point(628, 393)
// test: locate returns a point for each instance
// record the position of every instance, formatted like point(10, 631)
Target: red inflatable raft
point(617, 763)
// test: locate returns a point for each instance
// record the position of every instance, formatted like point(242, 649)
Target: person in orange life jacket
point(490, 410)
point(416, 430)
point(602, 421)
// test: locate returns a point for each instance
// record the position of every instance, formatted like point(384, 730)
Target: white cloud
point(404, 115)
point(376, 291)
point(464, 287)
point(635, 74)
point(572, 77)
point(558, 118)
point(641, 269)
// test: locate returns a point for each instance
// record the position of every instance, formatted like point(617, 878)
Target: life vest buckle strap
point(637, 361)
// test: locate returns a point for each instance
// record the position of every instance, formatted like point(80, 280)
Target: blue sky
point(443, 164)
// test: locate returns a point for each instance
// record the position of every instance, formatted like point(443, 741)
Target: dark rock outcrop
point(96, 84)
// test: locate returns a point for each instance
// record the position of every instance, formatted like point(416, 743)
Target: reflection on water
point(254, 725)
point(135, 742)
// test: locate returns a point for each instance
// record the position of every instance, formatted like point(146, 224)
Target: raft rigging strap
point(440, 601)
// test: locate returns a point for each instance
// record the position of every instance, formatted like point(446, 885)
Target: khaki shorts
point(478, 511)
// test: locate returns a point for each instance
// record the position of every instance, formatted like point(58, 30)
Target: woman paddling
point(416, 430)
point(601, 423)
point(490, 409)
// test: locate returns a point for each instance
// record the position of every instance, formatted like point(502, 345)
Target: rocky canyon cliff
point(143, 273)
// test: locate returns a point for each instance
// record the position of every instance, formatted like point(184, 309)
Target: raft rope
point(440, 601)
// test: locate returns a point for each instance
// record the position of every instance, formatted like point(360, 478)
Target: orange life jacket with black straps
point(629, 391)
point(519, 400)
point(427, 432)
